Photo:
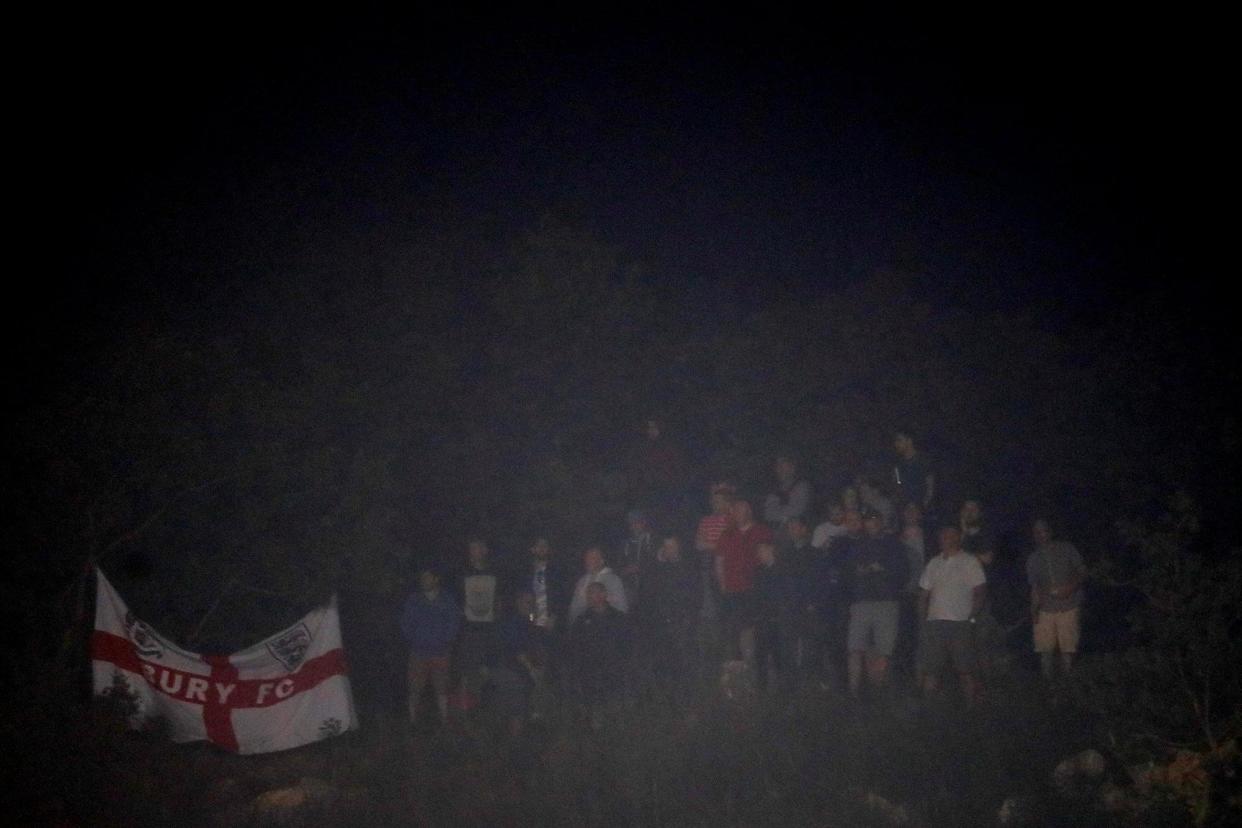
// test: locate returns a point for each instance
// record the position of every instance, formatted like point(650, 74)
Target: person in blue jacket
point(429, 622)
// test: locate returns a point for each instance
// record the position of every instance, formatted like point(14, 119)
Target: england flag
point(285, 691)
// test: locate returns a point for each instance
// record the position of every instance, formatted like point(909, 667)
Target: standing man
point(635, 554)
point(877, 572)
point(478, 586)
point(1056, 573)
point(914, 480)
point(951, 594)
point(547, 585)
point(736, 561)
point(429, 623)
point(792, 497)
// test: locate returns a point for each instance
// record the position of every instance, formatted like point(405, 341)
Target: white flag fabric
point(286, 691)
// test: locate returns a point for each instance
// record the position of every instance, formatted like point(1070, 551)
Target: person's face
point(651, 428)
point(850, 498)
point(670, 550)
point(903, 445)
point(836, 514)
point(638, 527)
point(950, 540)
point(972, 512)
point(797, 530)
point(428, 582)
point(720, 502)
point(477, 553)
point(741, 511)
point(1041, 531)
point(911, 515)
point(766, 554)
point(597, 596)
point(593, 559)
point(785, 469)
point(541, 549)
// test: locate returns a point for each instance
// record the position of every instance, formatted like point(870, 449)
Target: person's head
point(742, 512)
point(911, 515)
point(541, 549)
point(849, 498)
point(852, 521)
point(836, 513)
point(903, 444)
point(652, 428)
point(786, 469)
point(636, 521)
point(873, 524)
point(670, 549)
point(971, 513)
point(950, 539)
point(797, 530)
point(593, 559)
point(428, 582)
point(720, 497)
point(1041, 531)
point(597, 596)
point(476, 552)
point(766, 553)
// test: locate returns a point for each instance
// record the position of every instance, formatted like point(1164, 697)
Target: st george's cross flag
point(285, 691)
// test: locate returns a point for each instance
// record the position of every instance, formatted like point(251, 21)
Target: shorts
point(433, 668)
point(1057, 630)
point(947, 641)
point(873, 627)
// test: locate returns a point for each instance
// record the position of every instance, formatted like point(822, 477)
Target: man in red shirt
point(736, 562)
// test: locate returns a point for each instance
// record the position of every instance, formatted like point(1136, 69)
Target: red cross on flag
point(285, 691)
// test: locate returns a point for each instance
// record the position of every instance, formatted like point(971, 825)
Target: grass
point(809, 757)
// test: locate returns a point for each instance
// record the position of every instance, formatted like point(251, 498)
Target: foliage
point(1175, 698)
point(333, 411)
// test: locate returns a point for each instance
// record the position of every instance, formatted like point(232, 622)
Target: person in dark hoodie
point(667, 624)
point(776, 606)
point(430, 620)
point(877, 575)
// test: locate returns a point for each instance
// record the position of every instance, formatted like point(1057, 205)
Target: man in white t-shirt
point(951, 593)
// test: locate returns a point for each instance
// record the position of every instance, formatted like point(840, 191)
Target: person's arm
point(578, 602)
point(616, 592)
point(977, 597)
point(924, 601)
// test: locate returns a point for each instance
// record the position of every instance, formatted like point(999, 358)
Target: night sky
point(1020, 165)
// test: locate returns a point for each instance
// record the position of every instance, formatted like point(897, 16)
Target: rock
point(1114, 799)
point(1090, 763)
point(1016, 810)
point(1063, 776)
point(891, 812)
point(1079, 773)
point(281, 805)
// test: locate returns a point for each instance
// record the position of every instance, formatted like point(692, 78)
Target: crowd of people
point(883, 587)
